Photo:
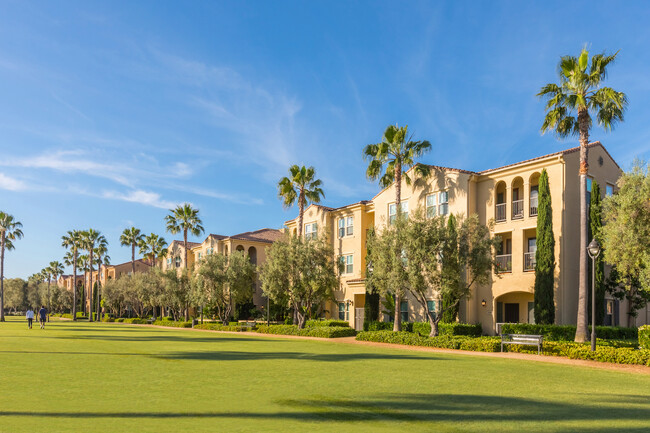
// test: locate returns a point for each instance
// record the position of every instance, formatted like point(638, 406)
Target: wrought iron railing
point(517, 209)
point(533, 206)
point(500, 212)
point(504, 263)
point(529, 261)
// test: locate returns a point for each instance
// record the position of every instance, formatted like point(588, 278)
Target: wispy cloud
point(11, 184)
point(146, 198)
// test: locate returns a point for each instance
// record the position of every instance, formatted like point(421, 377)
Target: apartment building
point(506, 196)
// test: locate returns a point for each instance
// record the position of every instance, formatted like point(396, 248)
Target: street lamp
point(594, 251)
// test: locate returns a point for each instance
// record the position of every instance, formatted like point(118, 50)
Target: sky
point(113, 112)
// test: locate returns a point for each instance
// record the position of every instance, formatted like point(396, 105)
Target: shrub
point(605, 351)
point(108, 319)
point(229, 328)
point(170, 323)
point(568, 332)
point(136, 321)
point(644, 337)
point(475, 344)
point(331, 323)
point(455, 328)
point(316, 331)
point(378, 326)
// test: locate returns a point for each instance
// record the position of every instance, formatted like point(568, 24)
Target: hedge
point(170, 323)
point(316, 331)
point(475, 344)
point(568, 332)
point(466, 329)
point(330, 323)
point(644, 337)
point(221, 327)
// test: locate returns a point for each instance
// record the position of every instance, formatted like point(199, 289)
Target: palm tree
point(91, 238)
point(580, 93)
point(10, 230)
point(53, 270)
point(72, 241)
point(101, 253)
point(302, 186)
point(82, 263)
point(184, 218)
point(397, 153)
point(131, 237)
point(153, 247)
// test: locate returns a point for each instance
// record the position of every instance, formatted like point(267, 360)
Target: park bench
point(523, 339)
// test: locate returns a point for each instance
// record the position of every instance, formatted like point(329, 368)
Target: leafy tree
point(626, 235)
point(300, 274)
point(224, 281)
point(15, 294)
point(389, 161)
point(73, 242)
point(153, 247)
point(10, 231)
point(131, 237)
point(595, 229)
point(450, 270)
point(371, 305)
point(302, 186)
point(52, 271)
point(544, 256)
point(570, 107)
point(91, 239)
point(629, 289)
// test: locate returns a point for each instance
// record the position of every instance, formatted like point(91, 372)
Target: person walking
point(30, 317)
point(42, 316)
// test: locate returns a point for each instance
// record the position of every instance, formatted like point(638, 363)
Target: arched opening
point(515, 307)
point(517, 198)
point(252, 255)
point(534, 192)
point(500, 200)
point(240, 248)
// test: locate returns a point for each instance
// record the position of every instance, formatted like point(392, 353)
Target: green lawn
point(88, 377)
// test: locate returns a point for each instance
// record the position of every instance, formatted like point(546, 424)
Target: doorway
point(511, 313)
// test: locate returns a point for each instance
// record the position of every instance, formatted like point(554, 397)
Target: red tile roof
point(263, 235)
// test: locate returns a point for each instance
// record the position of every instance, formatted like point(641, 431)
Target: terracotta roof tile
point(262, 235)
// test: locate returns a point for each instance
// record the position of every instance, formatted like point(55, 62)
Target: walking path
point(503, 355)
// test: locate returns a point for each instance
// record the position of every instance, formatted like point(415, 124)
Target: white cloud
point(11, 184)
point(146, 198)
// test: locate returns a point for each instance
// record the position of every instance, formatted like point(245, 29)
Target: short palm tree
point(153, 247)
point(570, 107)
point(53, 271)
point(101, 251)
point(389, 161)
point(131, 238)
point(186, 219)
point(91, 238)
point(72, 241)
point(301, 186)
point(10, 230)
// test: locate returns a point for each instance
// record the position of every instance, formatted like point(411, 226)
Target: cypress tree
point(451, 267)
point(595, 232)
point(544, 256)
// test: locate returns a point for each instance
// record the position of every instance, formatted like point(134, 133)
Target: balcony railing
point(529, 261)
point(504, 263)
point(501, 212)
point(517, 209)
point(533, 206)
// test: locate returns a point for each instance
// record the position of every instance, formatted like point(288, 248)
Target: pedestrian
point(42, 316)
point(30, 317)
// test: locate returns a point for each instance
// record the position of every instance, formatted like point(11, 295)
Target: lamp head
point(593, 248)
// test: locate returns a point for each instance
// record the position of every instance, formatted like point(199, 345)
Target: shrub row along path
point(76, 377)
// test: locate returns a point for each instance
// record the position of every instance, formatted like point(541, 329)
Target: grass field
point(89, 377)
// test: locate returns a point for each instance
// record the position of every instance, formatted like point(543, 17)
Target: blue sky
point(113, 112)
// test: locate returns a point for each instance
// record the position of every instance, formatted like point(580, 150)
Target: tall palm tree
point(389, 161)
point(52, 271)
point(91, 238)
point(131, 238)
point(10, 230)
point(83, 265)
point(302, 186)
point(153, 247)
point(570, 107)
point(101, 251)
point(186, 219)
point(72, 241)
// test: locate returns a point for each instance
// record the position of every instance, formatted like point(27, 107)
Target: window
point(311, 231)
point(209, 250)
point(392, 211)
point(344, 311)
point(404, 310)
point(432, 202)
point(178, 262)
point(198, 256)
point(346, 226)
point(609, 190)
point(443, 203)
point(589, 183)
point(169, 261)
point(431, 307)
point(347, 262)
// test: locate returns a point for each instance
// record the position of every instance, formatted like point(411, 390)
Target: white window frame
point(609, 187)
point(346, 226)
point(404, 206)
point(347, 260)
point(443, 206)
point(432, 205)
point(312, 233)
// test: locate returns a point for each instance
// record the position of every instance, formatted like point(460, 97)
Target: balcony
point(504, 263)
point(500, 212)
point(533, 206)
point(517, 209)
point(529, 261)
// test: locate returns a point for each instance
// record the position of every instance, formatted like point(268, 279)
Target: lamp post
point(594, 251)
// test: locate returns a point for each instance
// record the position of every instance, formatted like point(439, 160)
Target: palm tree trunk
point(132, 259)
point(301, 211)
point(99, 276)
point(581, 322)
point(74, 285)
point(397, 322)
point(49, 279)
point(187, 307)
point(90, 293)
point(2, 276)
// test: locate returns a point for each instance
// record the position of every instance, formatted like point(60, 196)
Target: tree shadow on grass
point(225, 355)
point(490, 411)
point(166, 338)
